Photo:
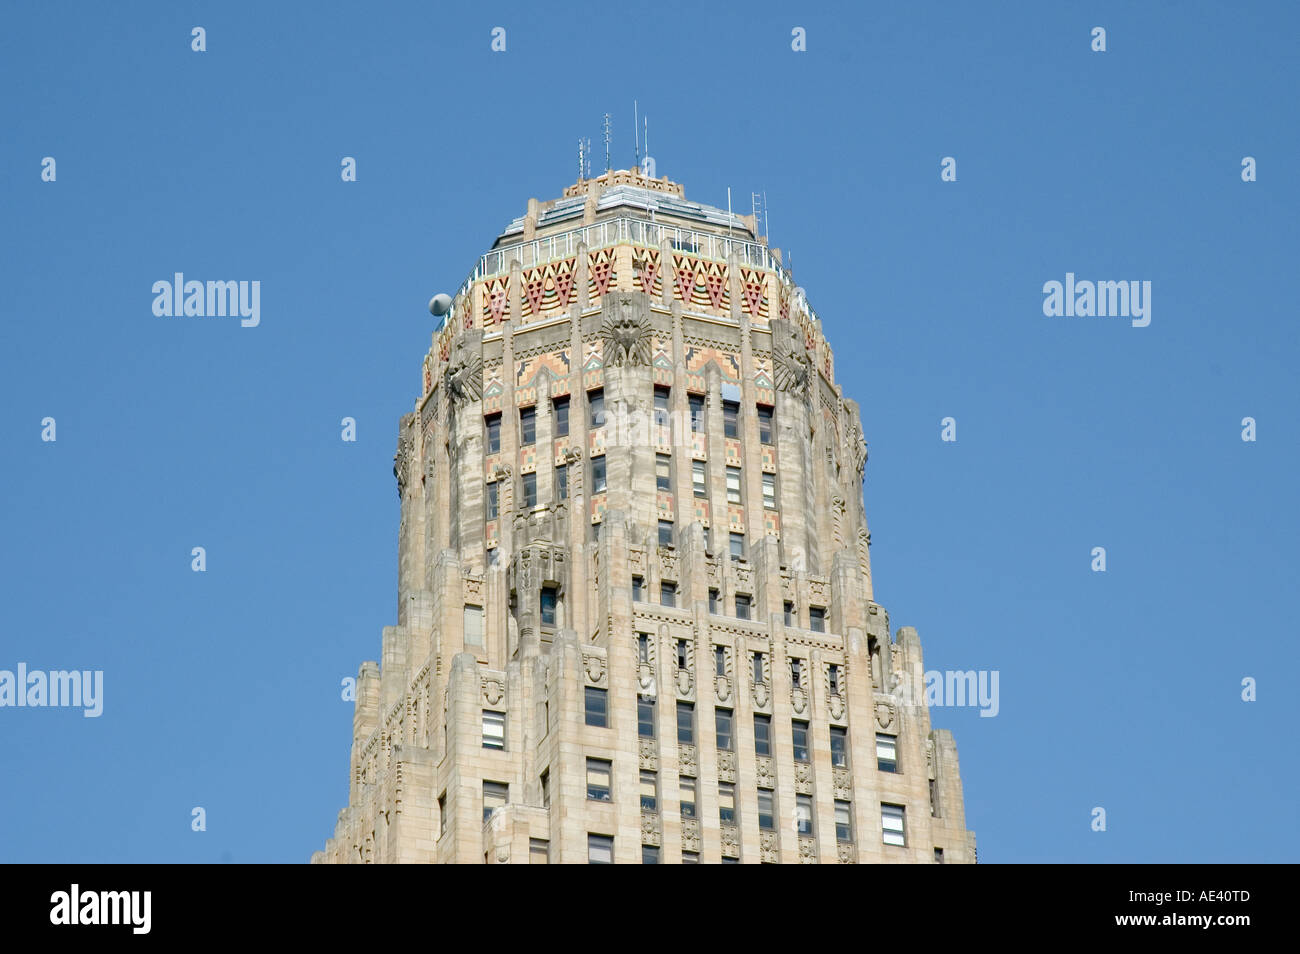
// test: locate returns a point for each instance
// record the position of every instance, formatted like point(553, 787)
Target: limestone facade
point(635, 613)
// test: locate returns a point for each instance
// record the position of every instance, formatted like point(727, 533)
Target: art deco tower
point(635, 616)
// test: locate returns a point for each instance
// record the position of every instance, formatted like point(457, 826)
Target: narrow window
point(762, 733)
point(546, 788)
point(713, 600)
point(549, 599)
point(649, 854)
point(600, 849)
point(665, 533)
point(473, 625)
point(663, 472)
point(893, 825)
point(638, 588)
point(796, 673)
point(598, 775)
point(697, 478)
point(687, 786)
point(595, 704)
point(643, 647)
point(766, 816)
point(833, 677)
point(737, 546)
point(764, 424)
point(817, 619)
point(596, 407)
point(649, 792)
point(661, 406)
point(733, 485)
point(598, 475)
point(539, 851)
point(495, 795)
point(886, 752)
point(720, 660)
point(685, 723)
point(560, 411)
point(843, 822)
point(681, 654)
point(645, 717)
point(667, 594)
point(696, 402)
point(789, 613)
point(561, 483)
point(742, 606)
point(839, 746)
point(494, 729)
point(769, 491)
point(726, 803)
point(530, 490)
point(723, 720)
point(730, 419)
point(803, 814)
point(493, 422)
point(758, 668)
point(800, 732)
point(493, 498)
point(527, 425)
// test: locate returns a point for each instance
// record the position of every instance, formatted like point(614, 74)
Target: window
point(595, 704)
point(788, 607)
point(442, 814)
point(645, 717)
point(560, 411)
point(596, 407)
point(598, 773)
point(549, 599)
point(833, 677)
point(681, 654)
point(495, 795)
point(764, 424)
point(762, 733)
point(934, 799)
point(649, 792)
point(530, 490)
point(796, 673)
point(733, 485)
point(649, 854)
point(726, 803)
point(473, 625)
point(493, 501)
point(766, 815)
point(803, 814)
point(638, 588)
point(663, 472)
point(800, 730)
point(690, 857)
point(713, 600)
point(708, 540)
point(687, 786)
point(817, 619)
point(539, 851)
point(758, 668)
point(730, 419)
point(600, 849)
point(697, 478)
point(938, 856)
point(642, 647)
point(493, 422)
point(742, 606)
point(667, 593)
point(839, 746)
point(494, 729)
point(546, 788)
point(686, 723)
point(598, 475)
point(769, 491)
point(720, 660)
point(661, 406)
point(843, 822)
point(665, 533)
point(737, 546)
point(722, 717)
point(886, 752)
point(561, 483)
point(527, 425)
point(893, 825)
point(696, 402)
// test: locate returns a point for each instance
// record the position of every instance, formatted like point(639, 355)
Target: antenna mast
point(607, 166)
point(636, 133)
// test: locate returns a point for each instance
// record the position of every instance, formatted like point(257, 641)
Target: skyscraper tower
point(635, 616)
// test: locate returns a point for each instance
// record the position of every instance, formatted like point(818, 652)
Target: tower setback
point(635, 614)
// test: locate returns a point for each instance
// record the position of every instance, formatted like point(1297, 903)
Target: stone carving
point(595, 667)
point(764, 775)
point(724, 688)
point(463, 378)
point(885, 715)
point(807, 851)
point(803, 778)
point(798, 699)
point(846, 855)
point(626, 332)
point(767, 847)
point(649, 758)
point(650, 834)
point(843, 784)
point(686, 755)
point(730, 842)
point(690, 834)
point(791, 367)
point(727, 766)
point(493, 691)
point(405, 454)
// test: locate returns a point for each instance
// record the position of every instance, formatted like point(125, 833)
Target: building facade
point(635, 616)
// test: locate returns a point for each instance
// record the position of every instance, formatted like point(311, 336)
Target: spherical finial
point(439, 305)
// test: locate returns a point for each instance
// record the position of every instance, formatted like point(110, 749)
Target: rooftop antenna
point(728, 211)
point(636, 133)
point(607, 165)
point(584, 159)
point(755, 207)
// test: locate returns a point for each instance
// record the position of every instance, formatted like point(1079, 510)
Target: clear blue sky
point(1119, 690)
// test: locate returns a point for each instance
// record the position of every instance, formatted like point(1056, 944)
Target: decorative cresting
point(792, 368)
point(626, 330)
point(463, 378)
point(405, 453)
